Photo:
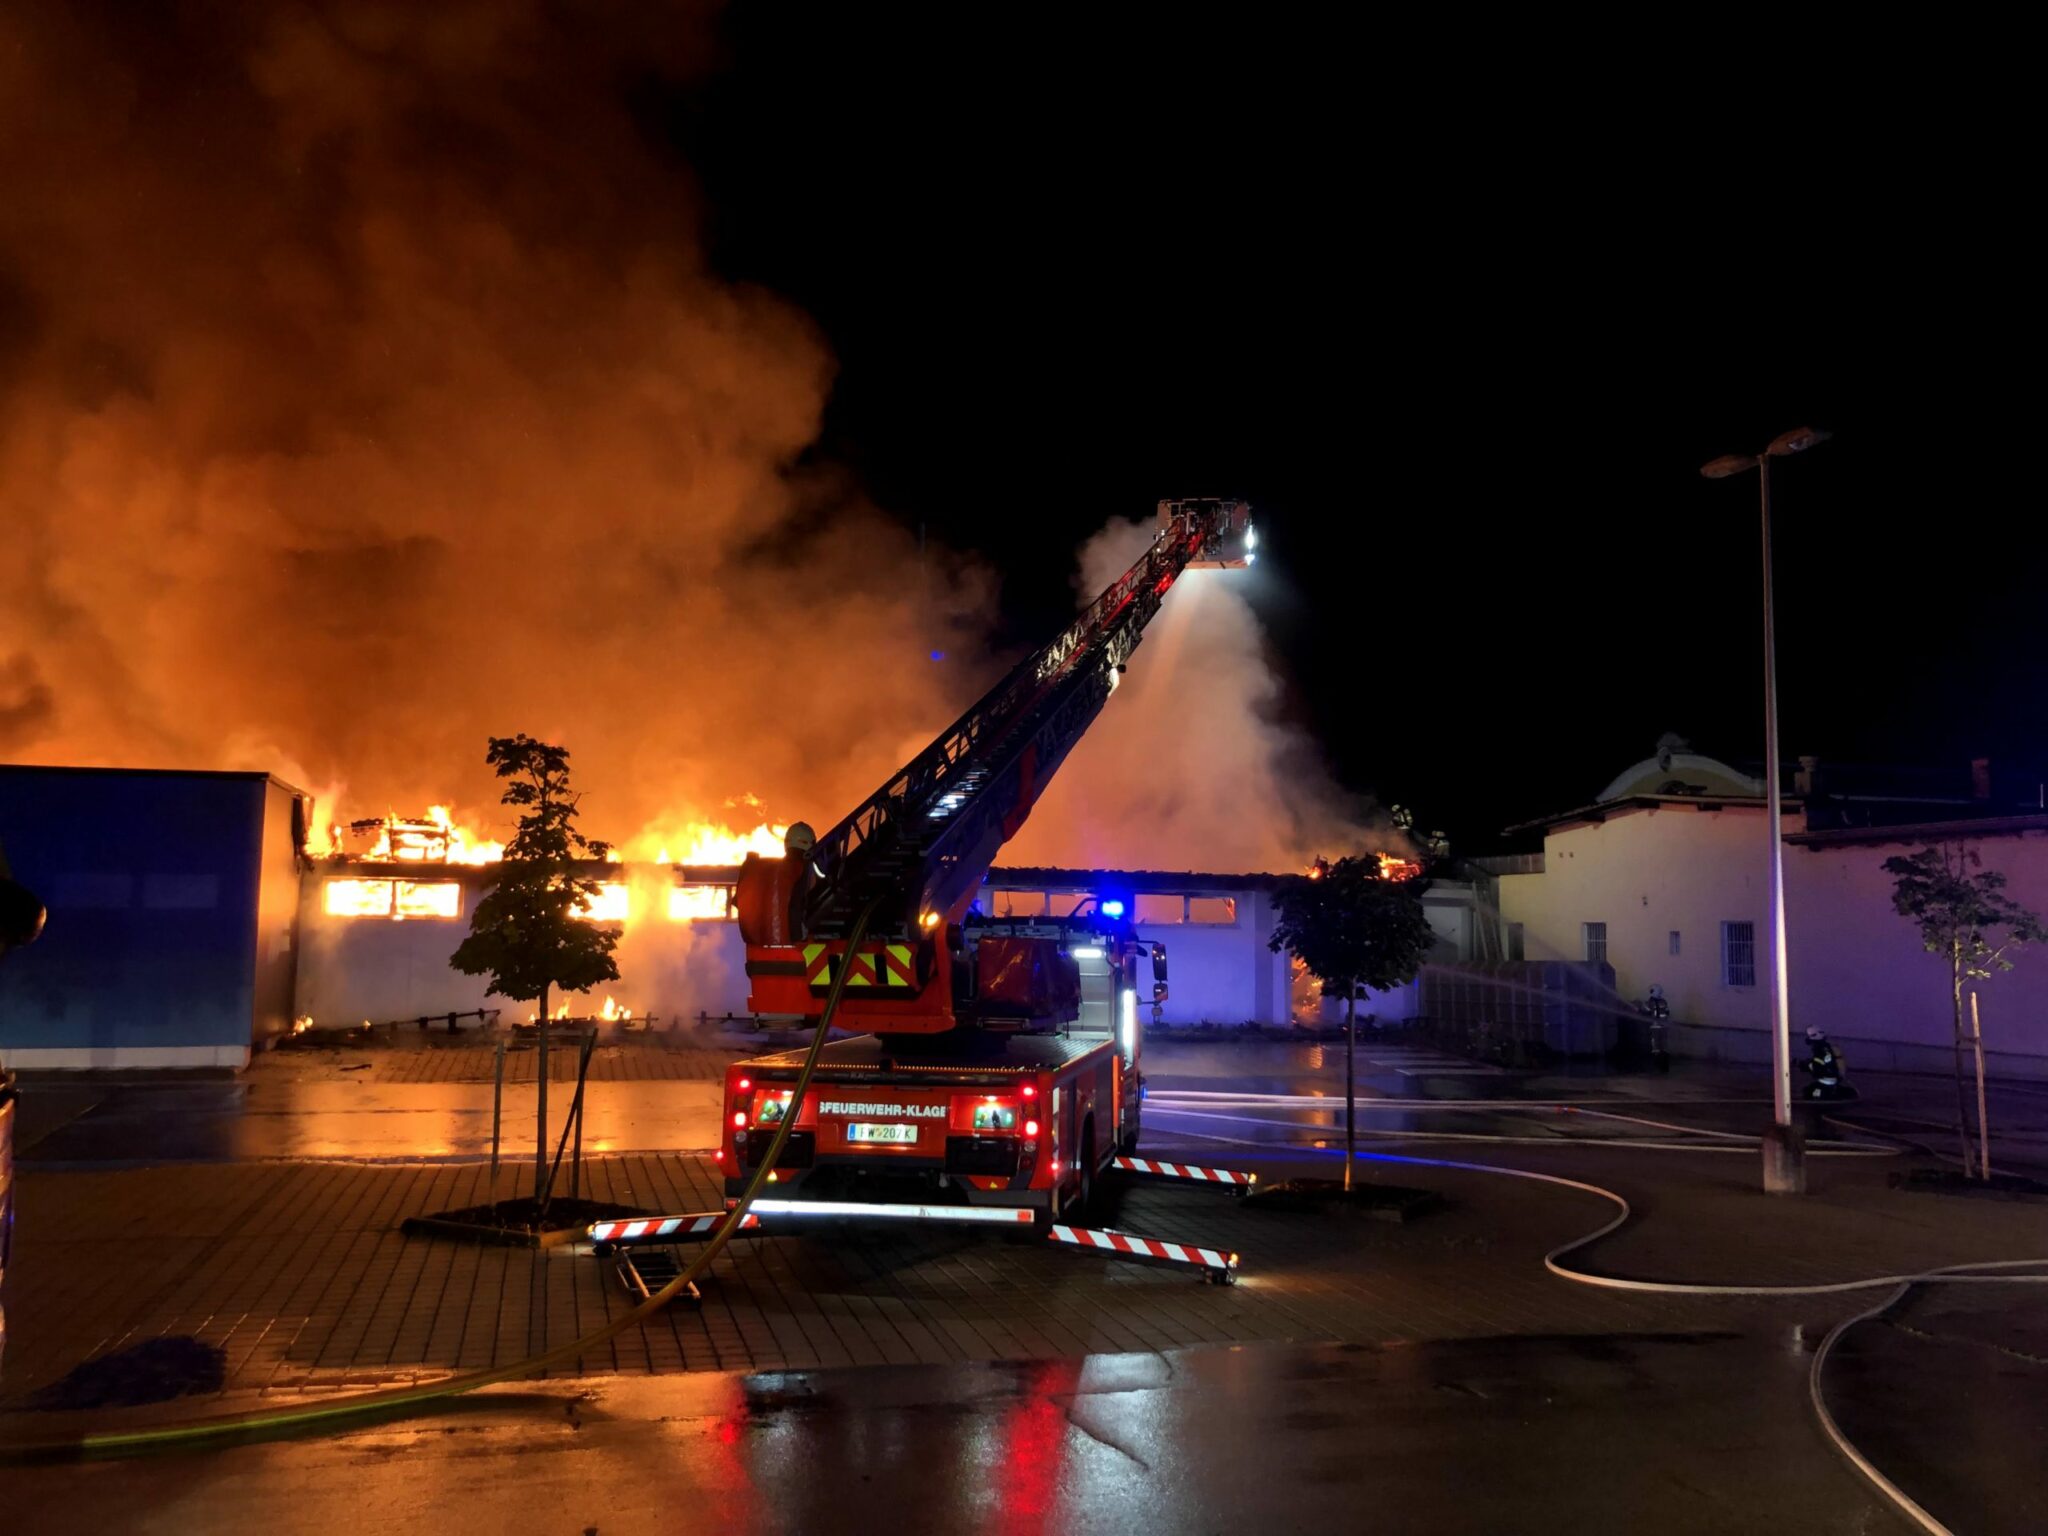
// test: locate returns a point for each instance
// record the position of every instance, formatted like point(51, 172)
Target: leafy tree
point(525, 934)
point(1959, 907)
point(1352, 928)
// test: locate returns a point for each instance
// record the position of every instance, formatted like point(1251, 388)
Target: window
point(612, 904)
point(393, 898)
point(1517, 944)
point(358, 898)
point(1674, 941)
point(1017, 903)
point(429, 898)
point(1220, 910)
point(1596, 942)
point(1161, 909)
point(694, 903)
point(1738, 954)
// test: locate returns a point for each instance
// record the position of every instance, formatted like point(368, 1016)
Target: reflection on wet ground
point(234, 1121)
point(1675, 1433)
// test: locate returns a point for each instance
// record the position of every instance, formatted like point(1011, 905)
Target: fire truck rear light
point(1030, 1127)
point(1030, 1090)
point(746, 1083)
point(740, 1118)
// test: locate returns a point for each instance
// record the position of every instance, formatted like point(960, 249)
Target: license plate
point(873, 1134)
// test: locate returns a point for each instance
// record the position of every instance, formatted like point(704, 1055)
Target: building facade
point(173, 902)
point(1665, 880)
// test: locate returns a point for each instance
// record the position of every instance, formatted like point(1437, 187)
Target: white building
point(375, 940)
point(1664, 878)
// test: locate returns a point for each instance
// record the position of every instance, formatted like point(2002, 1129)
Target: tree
point(1959, 906)
point(525, 934)
point(1350, 927)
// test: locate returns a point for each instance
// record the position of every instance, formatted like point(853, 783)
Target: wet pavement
point(217, 1122)
point(957, 1383)
point(1674, 1433)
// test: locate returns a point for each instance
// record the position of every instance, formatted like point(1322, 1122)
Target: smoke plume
point(1191, 766)
point(364, 392)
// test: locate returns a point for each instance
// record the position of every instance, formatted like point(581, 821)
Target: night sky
point(325, 313)
point(1463, 334)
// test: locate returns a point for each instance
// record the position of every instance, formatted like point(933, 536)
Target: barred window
point(1738, 954)
point(1596, 942)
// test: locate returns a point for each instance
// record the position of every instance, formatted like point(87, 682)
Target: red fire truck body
point(984, 1116)
point(1002, 1071)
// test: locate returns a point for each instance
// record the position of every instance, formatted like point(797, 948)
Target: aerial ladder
point(918, 848)
point(993, 1073)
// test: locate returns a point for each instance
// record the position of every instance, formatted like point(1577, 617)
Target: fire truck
point(995, 1072)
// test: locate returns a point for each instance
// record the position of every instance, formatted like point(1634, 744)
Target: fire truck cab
point(1020, 1112)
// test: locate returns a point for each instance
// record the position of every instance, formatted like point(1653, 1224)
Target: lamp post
point(1784, 1154)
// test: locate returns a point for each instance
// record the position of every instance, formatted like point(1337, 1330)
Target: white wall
point(356, 968)
point(1644, 874)
point(1857, 969)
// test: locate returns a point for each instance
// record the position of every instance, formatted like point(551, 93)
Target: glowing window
point(429, 898)
point(1220, 910)
point(1017, 903)
point(609, 905)
point(698, 903)
point(358, 898)
point(1161, 909)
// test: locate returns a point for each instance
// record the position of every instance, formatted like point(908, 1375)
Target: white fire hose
point(1995, 1272)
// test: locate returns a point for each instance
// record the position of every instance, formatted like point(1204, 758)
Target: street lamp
point(1784, 1157)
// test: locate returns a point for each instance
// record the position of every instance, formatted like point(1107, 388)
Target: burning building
point(194, 917)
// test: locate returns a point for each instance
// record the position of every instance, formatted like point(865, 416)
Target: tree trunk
point(1983, 1112)
point(540, 1135)
point(1962, 1091)
point(1350, 1079)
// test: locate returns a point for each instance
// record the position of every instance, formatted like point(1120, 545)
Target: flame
point(613, 903)
point(691, 903)
point(612, 1011)
point(1392, 867)
point(302, 1024)
point(705, 842)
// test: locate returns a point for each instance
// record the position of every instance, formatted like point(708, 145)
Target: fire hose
point(1991, 1272)
point(333, 1414)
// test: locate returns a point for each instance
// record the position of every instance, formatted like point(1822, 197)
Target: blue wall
point(152, 881)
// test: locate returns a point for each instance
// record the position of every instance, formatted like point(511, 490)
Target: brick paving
point(299, 1275)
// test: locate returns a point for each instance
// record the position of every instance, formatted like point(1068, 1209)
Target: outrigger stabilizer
point(636, 1243)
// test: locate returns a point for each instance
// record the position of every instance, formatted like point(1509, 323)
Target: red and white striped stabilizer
point(1219, 1263)
point(1159, 1170)
point(664, 1229)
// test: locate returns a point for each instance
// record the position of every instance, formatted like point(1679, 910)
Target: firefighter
point(1824, 1066)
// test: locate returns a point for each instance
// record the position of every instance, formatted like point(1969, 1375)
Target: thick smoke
point(1190, 766)
point(364, 392)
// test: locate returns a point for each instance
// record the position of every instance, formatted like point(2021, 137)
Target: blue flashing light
point(1112, 908)
point(938, 655)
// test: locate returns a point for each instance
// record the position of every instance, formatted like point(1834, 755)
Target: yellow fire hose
point(368, 1404)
